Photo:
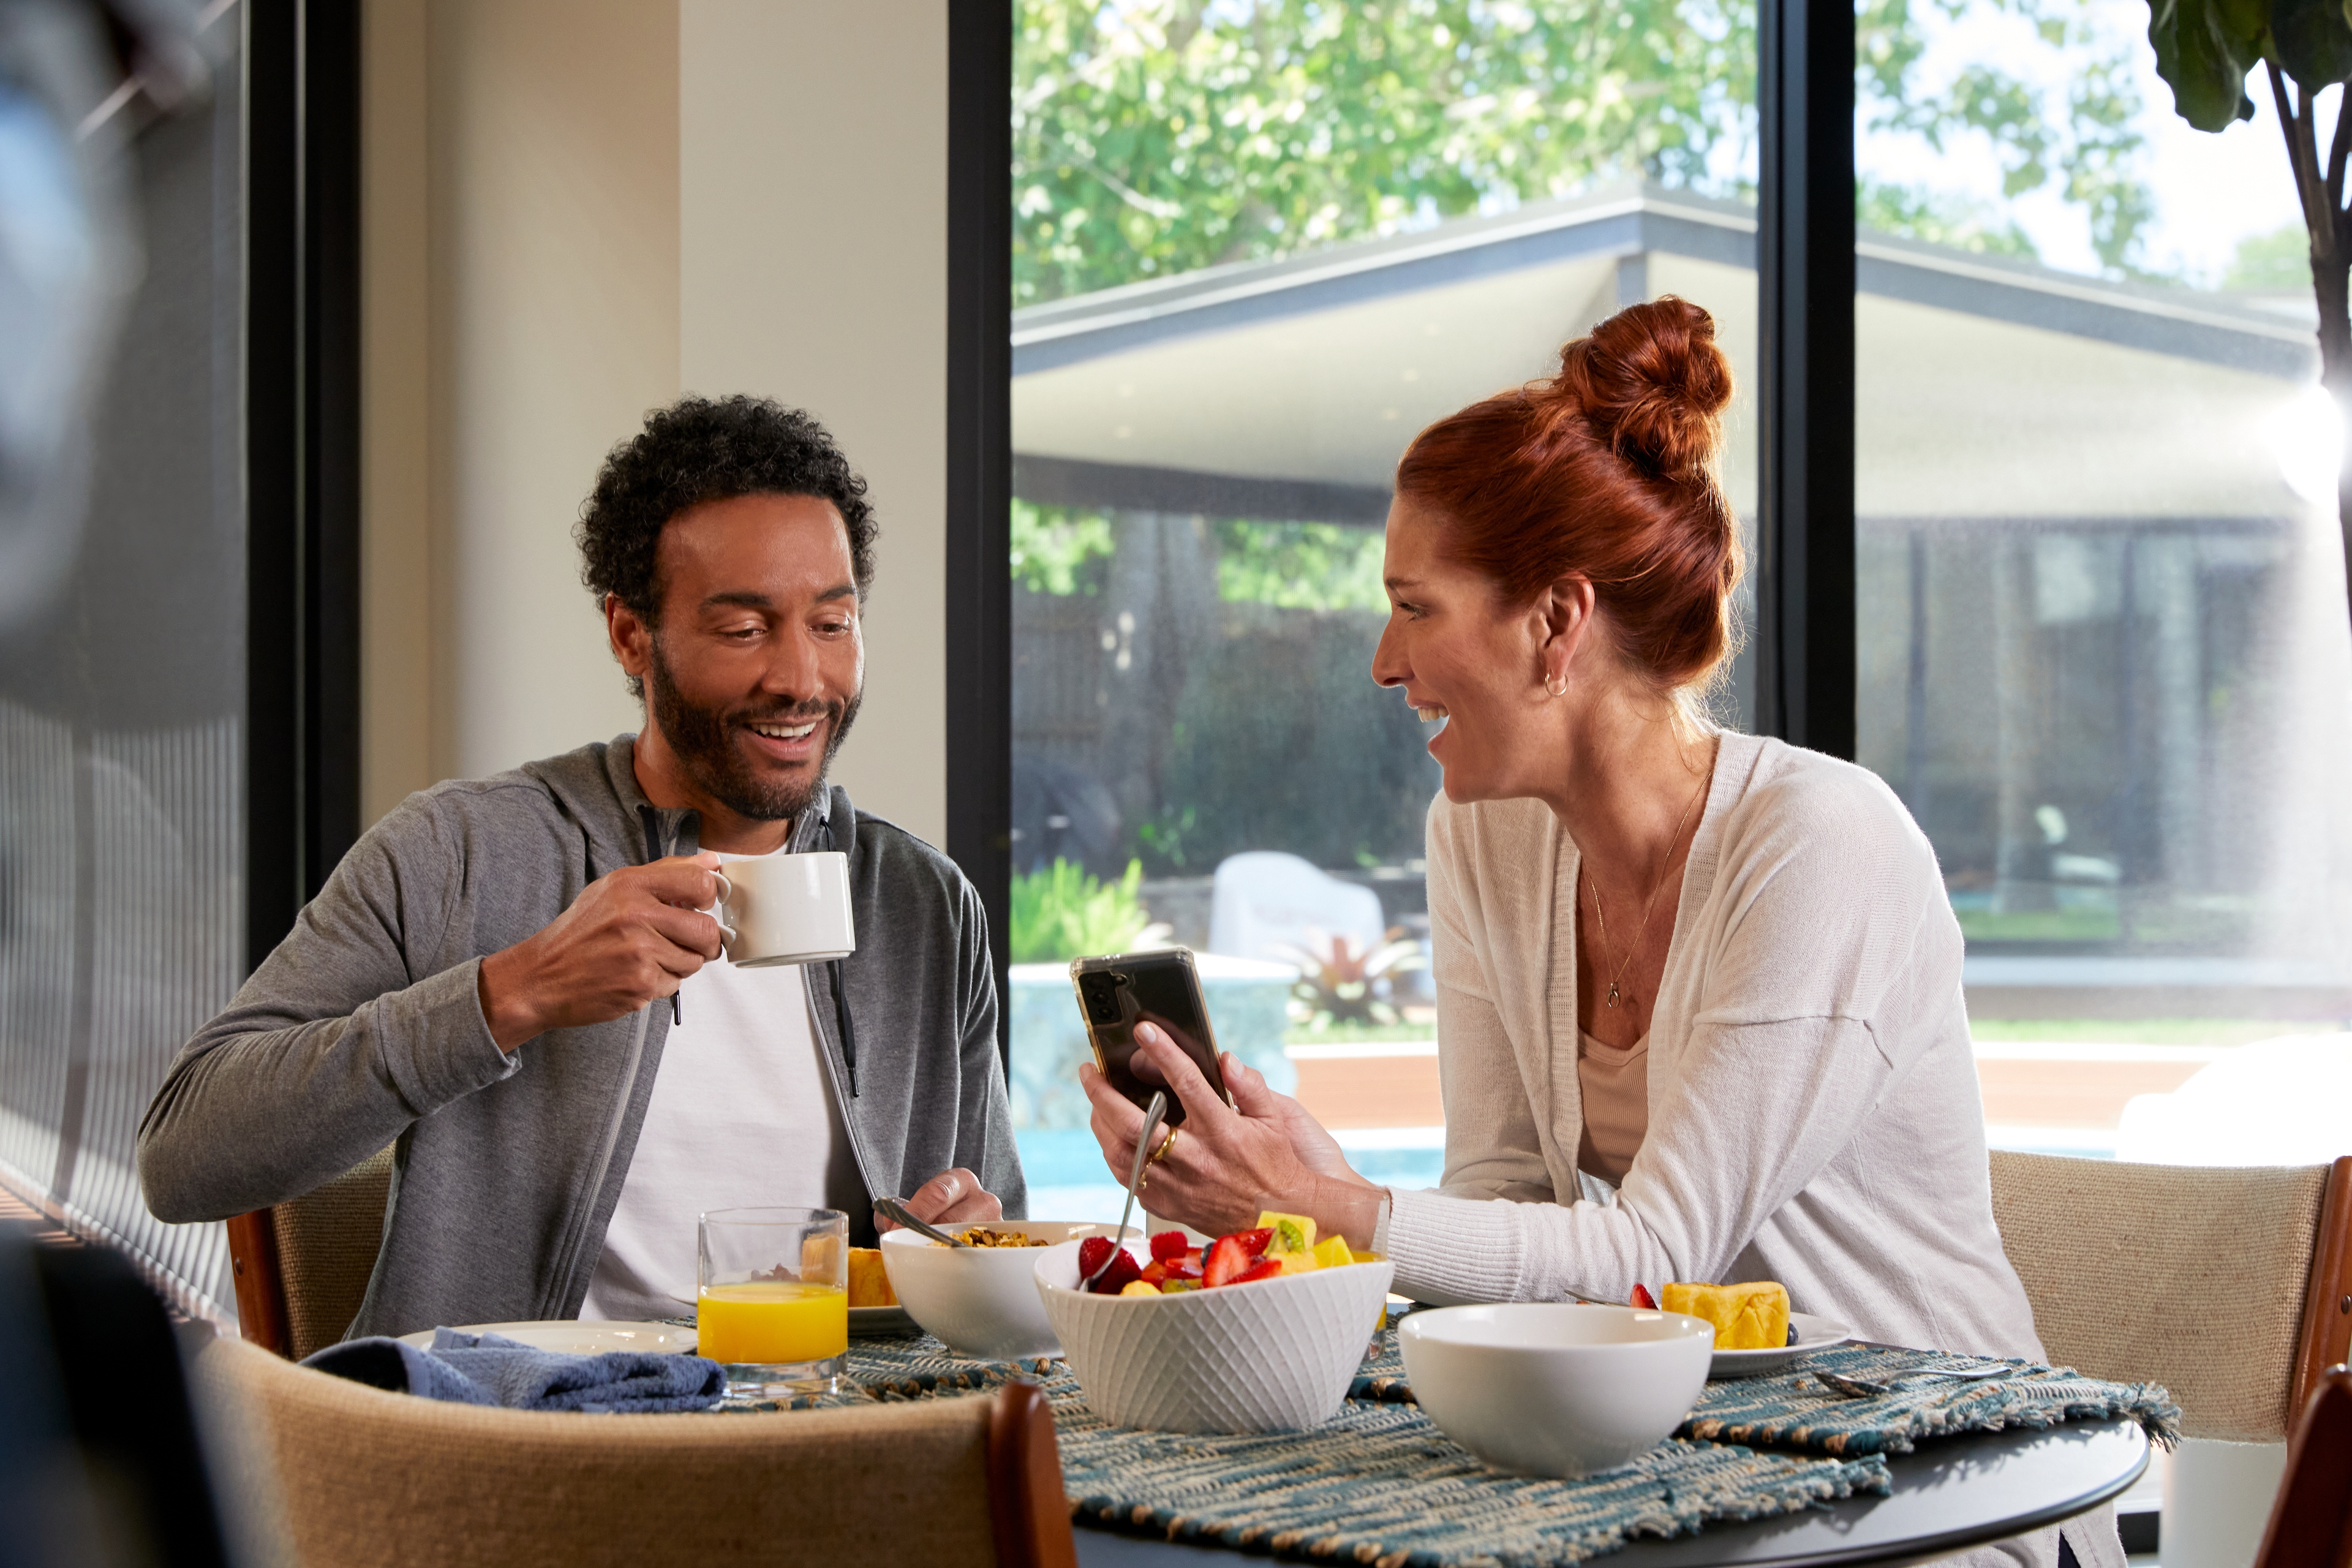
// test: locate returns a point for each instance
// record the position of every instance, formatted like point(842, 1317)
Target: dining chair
point(2230, 1286)
point(361, 1478)
point(301, 1268)
point(2311, 1523)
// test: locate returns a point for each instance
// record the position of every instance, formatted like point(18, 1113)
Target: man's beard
point(703, 740)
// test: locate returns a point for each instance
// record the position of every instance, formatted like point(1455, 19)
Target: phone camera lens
point(1101, 994)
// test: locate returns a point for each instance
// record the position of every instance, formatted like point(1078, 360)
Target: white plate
point(1813, 1333)
point(874, 1323)
point(575, 1338)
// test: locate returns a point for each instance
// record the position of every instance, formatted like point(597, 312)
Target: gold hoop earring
point(1556, 684)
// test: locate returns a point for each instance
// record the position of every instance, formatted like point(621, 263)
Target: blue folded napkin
point(490, 1369)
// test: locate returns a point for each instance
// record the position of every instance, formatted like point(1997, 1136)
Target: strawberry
point(1642, 1297)
point(1123, 1272)
point(1225, 1262)
point(1256, 1242)
point(1185, 1267)
point(1264, 1269)
point(1169, 1244)
point(1155, 1272)
point(1091, 1253)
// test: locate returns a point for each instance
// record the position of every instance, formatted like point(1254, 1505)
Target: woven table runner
point(1377, 1483)
point(1793, 1410)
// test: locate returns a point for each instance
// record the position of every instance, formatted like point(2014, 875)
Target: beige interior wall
point(395, 500)
point(573, 209)
point(520, 316)
point(812, 240)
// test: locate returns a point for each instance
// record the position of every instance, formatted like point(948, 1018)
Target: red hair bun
point(1606, 470)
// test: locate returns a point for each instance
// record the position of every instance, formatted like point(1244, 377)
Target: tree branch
point(2340, 153)
point(2302, 152)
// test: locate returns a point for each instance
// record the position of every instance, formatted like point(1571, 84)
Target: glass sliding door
point(123, 720)
point(2101, 619)
point(1256, 247)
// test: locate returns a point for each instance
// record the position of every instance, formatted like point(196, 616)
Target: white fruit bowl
point(1558, 1389)
point(1273, 1356)
point(982, 1301)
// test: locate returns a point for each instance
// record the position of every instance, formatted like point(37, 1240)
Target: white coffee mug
point(785, 908)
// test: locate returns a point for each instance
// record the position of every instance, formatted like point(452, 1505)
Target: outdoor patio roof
point(1987, 389)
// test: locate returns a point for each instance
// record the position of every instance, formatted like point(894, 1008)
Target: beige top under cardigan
point(1613, 1084)
point(1813, 1111)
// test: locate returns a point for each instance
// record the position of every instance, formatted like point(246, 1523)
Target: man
point(511, 980)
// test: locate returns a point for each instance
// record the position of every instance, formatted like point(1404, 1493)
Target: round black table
point(1950, 1495)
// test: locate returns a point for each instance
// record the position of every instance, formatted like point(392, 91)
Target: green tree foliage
point(1062, 912)
point(1159, 137)
point(2274, 263)
point(1938, 218)
point(1060, 549)
point(1300, 566)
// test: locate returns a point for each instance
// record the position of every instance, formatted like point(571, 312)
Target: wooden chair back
point(302, 1267)
point(2311, 1522)
point(2231, 1286)
point(364, 1479)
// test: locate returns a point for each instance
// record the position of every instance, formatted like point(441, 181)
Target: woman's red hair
point(1606, 470)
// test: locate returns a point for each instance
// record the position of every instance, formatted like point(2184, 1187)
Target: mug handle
point(719, 911)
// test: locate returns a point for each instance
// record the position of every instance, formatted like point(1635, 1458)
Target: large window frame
point(1804, 569)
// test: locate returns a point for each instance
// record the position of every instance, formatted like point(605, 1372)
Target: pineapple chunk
point(1140, 1288)
point(1750, 1317)
point(1331, 1252)
point(1294, 1240)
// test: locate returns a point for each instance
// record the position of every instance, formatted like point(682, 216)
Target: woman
point(1707, 982)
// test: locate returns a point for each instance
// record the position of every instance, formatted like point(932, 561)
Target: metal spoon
point(1152, 1115)
point(1868, 1388)
point(894, 1208)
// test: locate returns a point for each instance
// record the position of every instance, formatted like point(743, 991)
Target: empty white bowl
point(982, 1301)
point(1559, 1389)
point(1273, 1356)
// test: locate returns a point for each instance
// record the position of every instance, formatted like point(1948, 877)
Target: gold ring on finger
point(1165, 1145)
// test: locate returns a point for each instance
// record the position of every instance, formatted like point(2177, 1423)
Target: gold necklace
point(1648, 907)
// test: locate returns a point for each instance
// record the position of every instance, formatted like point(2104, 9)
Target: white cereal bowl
point(982, 1301)
point(1559, 1389)
point(1273, 1356)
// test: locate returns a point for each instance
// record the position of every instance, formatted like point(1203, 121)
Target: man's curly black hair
point(702, 449)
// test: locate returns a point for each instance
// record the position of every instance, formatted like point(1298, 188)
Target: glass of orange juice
point(772, 1299)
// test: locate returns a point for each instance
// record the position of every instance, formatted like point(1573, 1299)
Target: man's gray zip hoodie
point(365, 1027)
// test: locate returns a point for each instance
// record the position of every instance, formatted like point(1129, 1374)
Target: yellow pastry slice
point(1750, 1317)
point(869, 1284)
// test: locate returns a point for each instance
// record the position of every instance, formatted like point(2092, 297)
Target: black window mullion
point(301, 454)
point(1805, 284)
point(979, 612)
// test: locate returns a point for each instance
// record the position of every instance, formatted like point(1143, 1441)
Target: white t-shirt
point(742, 1115)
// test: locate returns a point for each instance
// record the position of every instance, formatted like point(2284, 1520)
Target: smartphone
point(1162, 987)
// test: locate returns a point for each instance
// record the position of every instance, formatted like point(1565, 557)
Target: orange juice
point(771, 1320)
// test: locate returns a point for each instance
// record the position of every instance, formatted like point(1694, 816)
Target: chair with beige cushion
point(302, 1268)
point(366, 1478)
point(2231, 1287)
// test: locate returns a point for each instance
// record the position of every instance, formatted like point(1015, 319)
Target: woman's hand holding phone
point(1229, 1160)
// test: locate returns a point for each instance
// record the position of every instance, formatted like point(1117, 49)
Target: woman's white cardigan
point(1813, 1110)
point(1813, 1107)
